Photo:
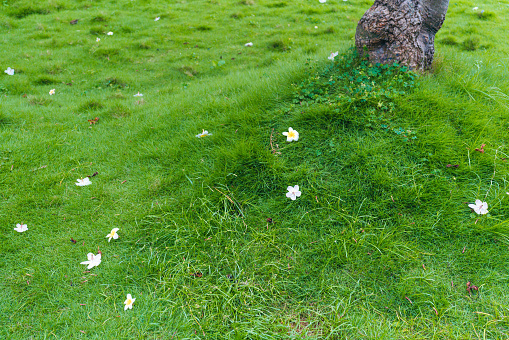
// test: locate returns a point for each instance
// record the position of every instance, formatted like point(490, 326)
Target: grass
point(381, 244)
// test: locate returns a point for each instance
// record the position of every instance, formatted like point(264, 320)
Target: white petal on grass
point(323, 1)
point(84, 181)
point(204, 133)
point(480, 207)
point(293, 192)
point(157, 19)
point(21, 228)
point(475, 8)
point(51, 92)
point(93, 260)
point(9, 71)
point(129, 302)
point(291, 135)
point(138, 94)
point(97, 39)
point(109, 33)
point(332, 55)
point(113, 234)
point(249, 44)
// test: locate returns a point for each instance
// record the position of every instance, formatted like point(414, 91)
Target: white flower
point(109, 33)
point(113, 234)
point(323, 1)
point(157, 19)
point(93, 260)
point(479, 207)
point(475, 8)
point(138, 94)
point(129, 302)
point(291, 135)
point(316, 27)
point(84, 181)
point(293, 192)
point(333, 55)
point(249, 44)
point(204, 133)
point(97, 39)
point(21, 228)
point(9, 71)
point(51, 92)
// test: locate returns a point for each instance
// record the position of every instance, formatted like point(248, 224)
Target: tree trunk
point(401, 31)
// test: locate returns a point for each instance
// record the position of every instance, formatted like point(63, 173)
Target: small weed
point(449, 40)
point(278, 45)
point(188, 71)
point(486, 15)
point(100, 18)
point(34, 100)
point(115, 83)
point(119, 111)
point(471, 44)
point(91, 105)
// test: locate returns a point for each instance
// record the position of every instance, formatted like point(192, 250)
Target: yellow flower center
point(129, 301)
point(291, 134)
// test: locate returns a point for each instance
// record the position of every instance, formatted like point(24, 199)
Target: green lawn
point(381, 243)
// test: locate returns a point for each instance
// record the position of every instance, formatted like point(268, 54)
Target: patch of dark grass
point(127, 29)
point(119, 111)
point(45, 80)
point(471, 44)
point(106, 52)
point(100, 18)
point(96, 30)
point(449, 40)
point(203, 28)
point(278, 46)
point(91, 105)
point(115, 83)
point(188, 70)
point(486, 15)
point(277, 4)
point(24, 11)
point(35, 100)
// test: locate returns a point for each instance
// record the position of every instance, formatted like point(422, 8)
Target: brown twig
point(272, 149)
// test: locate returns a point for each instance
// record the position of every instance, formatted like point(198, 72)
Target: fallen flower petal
point(480, 207)
point(333, 55)
point(157, 19)
point(204, 133)
point(113, 234)
point(249, 44)
point(9, 71)
point(21, 228)
point(51, 92)
point(84, 181)
point(291, 135)
point(93, 260)
point(293, 192)
point(129, 302)
point(109, 33)
point(138, 94)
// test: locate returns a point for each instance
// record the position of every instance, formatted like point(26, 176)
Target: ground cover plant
point(386, 239)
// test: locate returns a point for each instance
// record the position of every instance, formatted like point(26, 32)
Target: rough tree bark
point(401, 31)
